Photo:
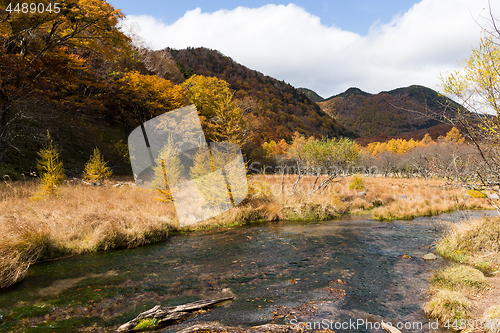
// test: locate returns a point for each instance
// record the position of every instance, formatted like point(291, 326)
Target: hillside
point(277, 109)
point(311, 94)
point(398, 112)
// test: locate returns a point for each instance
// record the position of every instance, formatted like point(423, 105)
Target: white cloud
point(290, 44)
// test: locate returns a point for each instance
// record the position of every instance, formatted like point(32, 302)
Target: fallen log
point(268, 328)
point(165, 314)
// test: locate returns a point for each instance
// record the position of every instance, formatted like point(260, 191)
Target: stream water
point(349, 270)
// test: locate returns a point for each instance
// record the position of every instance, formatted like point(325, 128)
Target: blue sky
point(352, 15)
point(327, 46)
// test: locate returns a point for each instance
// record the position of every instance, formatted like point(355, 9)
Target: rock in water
point(430, 256)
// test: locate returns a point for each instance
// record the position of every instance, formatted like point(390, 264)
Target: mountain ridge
point(391, 113)
point(278, 109)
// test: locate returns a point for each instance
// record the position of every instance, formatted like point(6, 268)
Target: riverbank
point(465, 295)
point(83, 219)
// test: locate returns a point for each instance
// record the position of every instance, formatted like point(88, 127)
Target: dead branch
point(165, 314)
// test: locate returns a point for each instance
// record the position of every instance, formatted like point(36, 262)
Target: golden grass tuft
point(475, 243)
point(20, 246)
point(460, 278)
point(447, 305)
point(492, 319)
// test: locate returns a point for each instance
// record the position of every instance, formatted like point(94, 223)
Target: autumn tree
point(168, 171)
point(50, 168)
point(221, 118)
point(323, 157)
point(97, 169)
point(144, 97)
point(41, 62)
point(476, 87)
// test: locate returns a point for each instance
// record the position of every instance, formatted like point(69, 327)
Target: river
point(350, 270)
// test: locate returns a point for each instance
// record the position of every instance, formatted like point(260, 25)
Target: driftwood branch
point(165, 314)
point(268, 328)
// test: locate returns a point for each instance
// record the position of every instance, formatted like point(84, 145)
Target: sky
point(326, 46)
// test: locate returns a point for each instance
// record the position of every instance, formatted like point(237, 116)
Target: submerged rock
point(430, 256)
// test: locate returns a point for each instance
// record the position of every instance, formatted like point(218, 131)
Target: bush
point(357, 183)
point(259, 189)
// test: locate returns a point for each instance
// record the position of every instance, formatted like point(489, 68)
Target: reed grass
point(79, 219)
point(475, 243)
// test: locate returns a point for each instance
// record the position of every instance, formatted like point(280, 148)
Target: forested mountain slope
point(391, 113)
point(277, 109)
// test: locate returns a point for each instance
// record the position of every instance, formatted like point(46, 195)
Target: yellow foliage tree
point(50, 168)
point(168, 171)
point(426, 140)
point(454, 135)
point(221, 118)
point(476, 87)
point(149, 95)
point(71, 23)
point(96, 169)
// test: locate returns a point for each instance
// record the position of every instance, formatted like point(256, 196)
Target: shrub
point(259, 189)
point(357, 183)
point(96, 169)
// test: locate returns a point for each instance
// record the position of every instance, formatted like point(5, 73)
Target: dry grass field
point(81, 219)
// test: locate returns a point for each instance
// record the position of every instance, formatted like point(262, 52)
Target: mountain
point(311, 94)
point(399, 112)
point(277, 109)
